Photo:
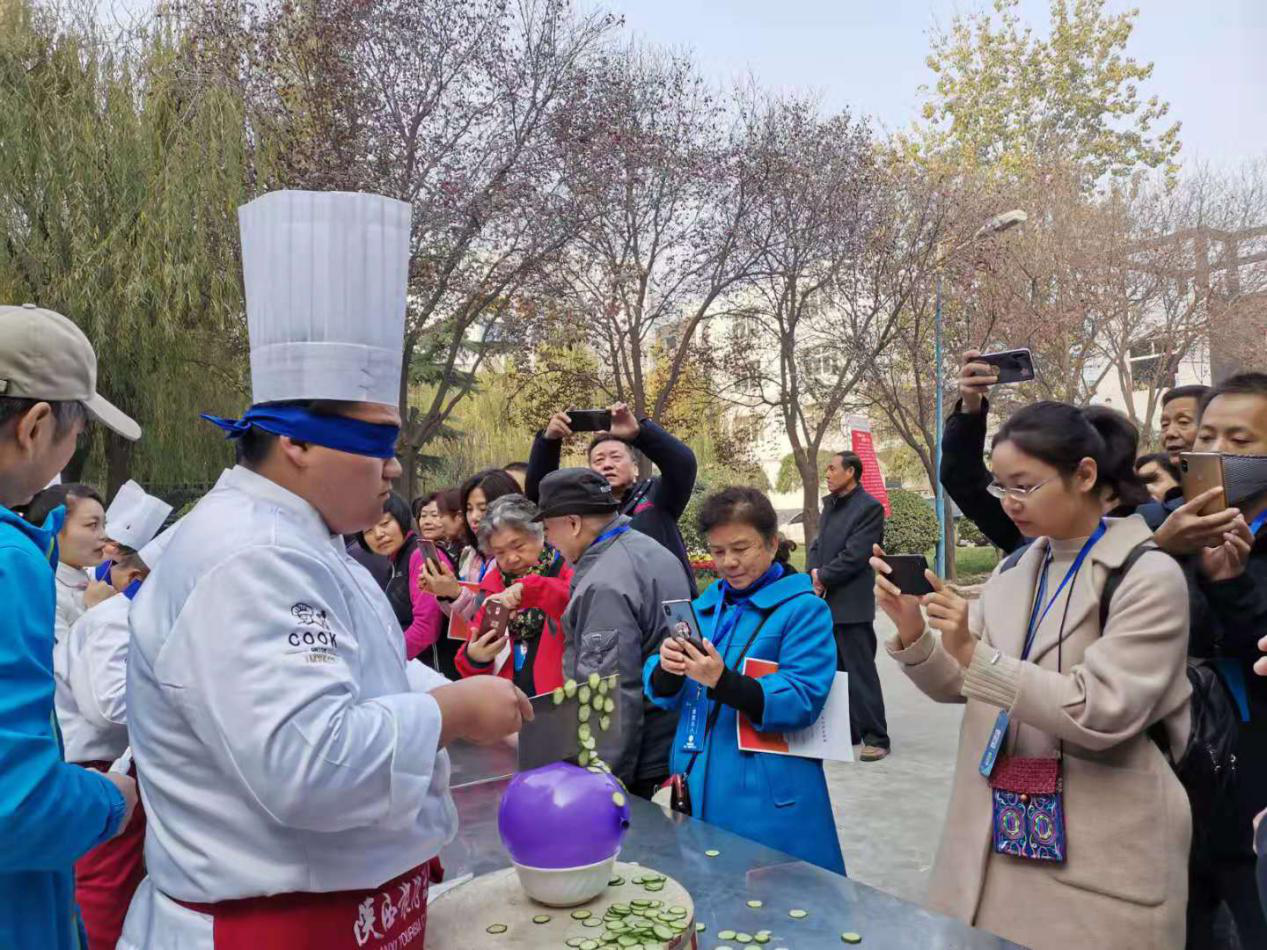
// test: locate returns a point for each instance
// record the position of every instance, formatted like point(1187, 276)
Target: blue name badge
point(997, 735)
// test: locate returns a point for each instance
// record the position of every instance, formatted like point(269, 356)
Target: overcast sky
point(1210, 59)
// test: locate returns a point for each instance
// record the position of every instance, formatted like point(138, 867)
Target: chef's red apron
point(108, 875)
point(392, 916)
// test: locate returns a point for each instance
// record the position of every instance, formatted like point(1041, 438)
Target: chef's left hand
point(706, 666)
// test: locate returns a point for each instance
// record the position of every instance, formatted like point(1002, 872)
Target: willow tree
point(120, 175)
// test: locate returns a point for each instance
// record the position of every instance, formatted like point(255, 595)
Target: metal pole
point(939, 500)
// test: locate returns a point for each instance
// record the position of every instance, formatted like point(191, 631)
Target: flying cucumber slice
point(496, 929)
point(594, 680)
point(569, 688)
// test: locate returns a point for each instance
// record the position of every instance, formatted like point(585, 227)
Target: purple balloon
point(562, 816)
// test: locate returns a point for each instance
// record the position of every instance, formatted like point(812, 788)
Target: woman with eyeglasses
point(1067, 826)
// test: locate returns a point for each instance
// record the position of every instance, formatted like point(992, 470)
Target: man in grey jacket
point(614, 619)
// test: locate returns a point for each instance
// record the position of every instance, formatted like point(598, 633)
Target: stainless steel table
point(720, 886)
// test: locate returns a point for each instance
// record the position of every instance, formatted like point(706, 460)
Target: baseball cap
point(44, 356)
point(575, 491)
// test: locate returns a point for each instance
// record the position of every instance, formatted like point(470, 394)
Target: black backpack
point(1207, 764)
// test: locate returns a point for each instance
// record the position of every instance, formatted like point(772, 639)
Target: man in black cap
point(614, 620)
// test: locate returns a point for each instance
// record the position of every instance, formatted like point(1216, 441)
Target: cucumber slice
point(594, 680)
point(798, 914)
point(569, 688)
point(583, 694)
point(541, 919)
point(496, 929)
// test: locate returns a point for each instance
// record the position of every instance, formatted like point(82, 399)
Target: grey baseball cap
point(44, 356)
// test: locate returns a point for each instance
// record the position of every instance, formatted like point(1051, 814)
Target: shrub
point(969, 532)
point(912, 527)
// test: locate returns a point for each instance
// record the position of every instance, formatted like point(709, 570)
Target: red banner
point(872, 477)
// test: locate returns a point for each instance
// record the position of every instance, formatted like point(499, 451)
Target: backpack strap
point(1114, 580)
point(1014, 558)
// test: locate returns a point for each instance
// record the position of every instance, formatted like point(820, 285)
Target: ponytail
point(1063, 435)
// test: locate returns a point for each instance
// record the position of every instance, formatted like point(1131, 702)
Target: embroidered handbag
point(1029, 813)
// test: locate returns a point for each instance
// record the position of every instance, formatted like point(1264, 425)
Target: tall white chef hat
point(153, 552)
point(134, 516)
point(325, 276)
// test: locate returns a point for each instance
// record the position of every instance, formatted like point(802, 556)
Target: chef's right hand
point(560, 427)
point(482, 709)
point(127, 787)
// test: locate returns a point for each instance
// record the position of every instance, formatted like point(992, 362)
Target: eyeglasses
point(1020, 494)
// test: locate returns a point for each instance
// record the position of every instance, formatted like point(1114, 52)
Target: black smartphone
point(430, 554)
point(1013, 366)
point(1199, 472)
point(908, 573)
point(590, 420)
point(682, 622)
point(496, 617)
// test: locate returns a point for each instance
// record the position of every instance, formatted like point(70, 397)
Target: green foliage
point(973, 565)
point(789, 478)
point(912, 526)
point(1005, 94)
point(121, 174)
point(482, 434)
point(968, 531)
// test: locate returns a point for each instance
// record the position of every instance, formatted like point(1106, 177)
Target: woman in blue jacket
point(763, 605)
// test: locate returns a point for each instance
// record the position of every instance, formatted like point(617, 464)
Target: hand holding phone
point(590, 420)
point(1011, 366)
point(430, 554)
point(906, 572)
point(683, 624)
point(1199, 472)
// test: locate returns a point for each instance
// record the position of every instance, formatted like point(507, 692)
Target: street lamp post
point(996, 225)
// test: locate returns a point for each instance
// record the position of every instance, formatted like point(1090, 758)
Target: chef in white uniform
point(291, 762)
point(90, 661)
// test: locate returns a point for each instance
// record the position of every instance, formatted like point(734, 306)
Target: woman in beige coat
point(1087, 696)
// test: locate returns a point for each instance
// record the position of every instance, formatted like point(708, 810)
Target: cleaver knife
point(554, 733)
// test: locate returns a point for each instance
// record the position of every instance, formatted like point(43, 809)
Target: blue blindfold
point(334, 432)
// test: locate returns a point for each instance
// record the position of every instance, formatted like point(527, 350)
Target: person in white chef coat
point(291, 762)
point(90, 668)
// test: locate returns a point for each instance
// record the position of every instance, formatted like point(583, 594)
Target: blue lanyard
point(1036, 618)
point(610, 533)
point(1257, 522)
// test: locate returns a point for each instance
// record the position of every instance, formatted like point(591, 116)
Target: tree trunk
point(952, 571)
point(809, 504)
point(118, 462)
point(408, 485)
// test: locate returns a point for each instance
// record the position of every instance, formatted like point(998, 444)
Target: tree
point(466, 110)
point(120, 175)
point(835, 275)
point(1005, 97)
point(666, 238)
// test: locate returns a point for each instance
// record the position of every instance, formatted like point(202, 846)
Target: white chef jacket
point(91, 677)
point(69, 584)
point(280, 744)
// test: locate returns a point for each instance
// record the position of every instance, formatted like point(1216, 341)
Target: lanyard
point(1258, 522)
point(1036, 617)
point(613, 532)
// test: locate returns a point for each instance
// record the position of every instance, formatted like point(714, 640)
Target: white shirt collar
point(75, 577)
point(252, 483)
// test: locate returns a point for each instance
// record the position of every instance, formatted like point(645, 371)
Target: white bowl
point(565, 887)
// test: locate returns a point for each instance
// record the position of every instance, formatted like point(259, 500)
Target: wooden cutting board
point(459, 919)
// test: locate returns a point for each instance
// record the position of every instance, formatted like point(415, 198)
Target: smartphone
point(908, 573)
point(430, 554)
point(1201, 471)
point(1014, 366)
point(682, 622)
point(590, 420)
point(496, 617)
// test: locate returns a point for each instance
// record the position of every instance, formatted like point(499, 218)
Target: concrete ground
point(889, 814)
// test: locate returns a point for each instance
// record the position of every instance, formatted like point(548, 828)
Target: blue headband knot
point(341, 433)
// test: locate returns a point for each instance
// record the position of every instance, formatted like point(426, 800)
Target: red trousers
point(107, 876)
